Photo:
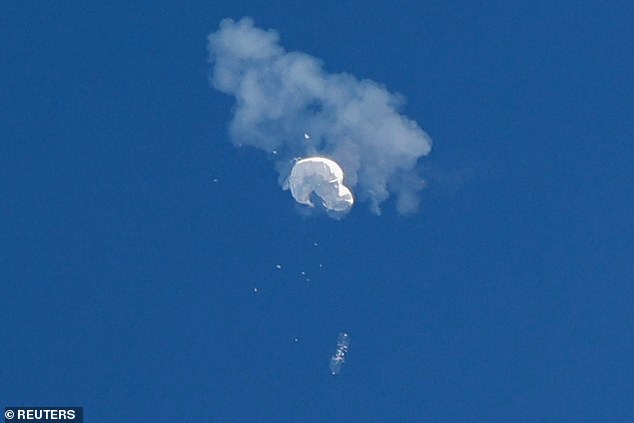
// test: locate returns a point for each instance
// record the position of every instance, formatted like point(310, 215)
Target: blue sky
point(128, 273)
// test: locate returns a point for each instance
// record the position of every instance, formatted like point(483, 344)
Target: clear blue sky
point(128, 274)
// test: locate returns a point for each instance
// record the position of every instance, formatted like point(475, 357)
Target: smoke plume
point(288, 106)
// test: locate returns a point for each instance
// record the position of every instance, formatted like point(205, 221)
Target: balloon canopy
point(324, 178)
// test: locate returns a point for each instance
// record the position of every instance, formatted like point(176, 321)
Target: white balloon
point(321, 176)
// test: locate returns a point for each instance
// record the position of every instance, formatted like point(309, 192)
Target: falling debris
point(322, 177)
point(337, 360)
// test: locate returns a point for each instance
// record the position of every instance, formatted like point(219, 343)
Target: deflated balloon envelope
point(323, 177)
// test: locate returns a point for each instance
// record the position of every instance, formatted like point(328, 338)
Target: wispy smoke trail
point(282, 95)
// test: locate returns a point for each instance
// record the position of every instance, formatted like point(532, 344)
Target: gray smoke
point(280, 96)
